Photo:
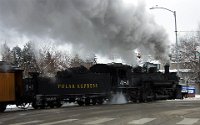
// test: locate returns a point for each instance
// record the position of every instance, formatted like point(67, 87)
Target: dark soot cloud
point(106, 27)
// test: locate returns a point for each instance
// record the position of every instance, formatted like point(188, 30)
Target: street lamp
point(174, 12)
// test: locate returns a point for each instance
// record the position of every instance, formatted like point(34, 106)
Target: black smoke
point(105, 27)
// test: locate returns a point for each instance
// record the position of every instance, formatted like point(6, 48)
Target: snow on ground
point(197, 97)
point(15, 108)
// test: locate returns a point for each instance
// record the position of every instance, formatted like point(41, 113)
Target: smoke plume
point(105, 27)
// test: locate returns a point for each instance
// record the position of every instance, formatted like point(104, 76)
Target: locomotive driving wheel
point(58, 104)
point(87, 101)
point(100, 101)
point(80, 103)
point(94, 101)
point(34, 105)
point(145, 92)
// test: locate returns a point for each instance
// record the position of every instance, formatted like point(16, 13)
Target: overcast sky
point(187, 13)
point(15, 33)
point(188, 16)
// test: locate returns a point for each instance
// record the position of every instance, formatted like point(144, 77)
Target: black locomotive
point(88, 86)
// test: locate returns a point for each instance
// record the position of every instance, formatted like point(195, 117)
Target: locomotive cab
point(120, 79)
point(120, 74)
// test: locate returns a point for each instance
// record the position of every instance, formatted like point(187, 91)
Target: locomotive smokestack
point(166, 68)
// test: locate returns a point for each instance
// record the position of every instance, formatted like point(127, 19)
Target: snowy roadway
point(14, 108)
point(165, 112)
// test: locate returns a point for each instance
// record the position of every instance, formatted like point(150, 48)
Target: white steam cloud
point(105, 27)
point(118, 98)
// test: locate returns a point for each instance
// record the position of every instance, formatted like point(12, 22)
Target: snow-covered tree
point(76, 61)
point(50, 61)
point(29, 63)
point(188, 55)
point(17, 56)
point(6, 53)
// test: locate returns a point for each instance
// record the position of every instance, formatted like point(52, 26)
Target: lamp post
point(174, 13)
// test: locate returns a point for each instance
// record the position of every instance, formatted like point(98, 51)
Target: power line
point(189, 31)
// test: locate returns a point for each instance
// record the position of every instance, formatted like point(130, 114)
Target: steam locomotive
point(86, 86)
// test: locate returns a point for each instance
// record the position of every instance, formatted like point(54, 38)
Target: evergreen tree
point(76, 61)
point(6, 53)
point(17, 56)
point(29, 62)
